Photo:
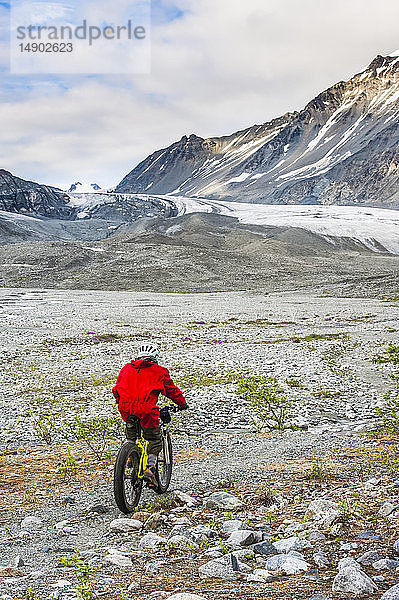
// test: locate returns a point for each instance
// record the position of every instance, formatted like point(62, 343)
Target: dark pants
point(152, 435)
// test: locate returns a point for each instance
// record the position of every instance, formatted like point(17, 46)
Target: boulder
point(125, 525)
point(224, 567)
point(392, 593)
point(291, 565)
point(386, 509)
point(244, 554)
point(369, 557)
point(385, 563)
point(152, 541)
point(321, 560)
point(260, 576)
point(292, 543)
point(119, 559)
point(324, 511)
point(314, 535)
point(31, 524)
point(182, 543)
point(265, 548)
point(185, 498)
point(224, 501)
point(232, 525)
point(352, 580)
point(241, 538)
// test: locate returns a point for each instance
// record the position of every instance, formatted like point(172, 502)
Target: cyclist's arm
point(172, 392)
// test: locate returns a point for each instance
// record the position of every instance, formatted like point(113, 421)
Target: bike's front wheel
point(164, 465)
point(127, 485)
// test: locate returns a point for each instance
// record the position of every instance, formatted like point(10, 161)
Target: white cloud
point(224, 66)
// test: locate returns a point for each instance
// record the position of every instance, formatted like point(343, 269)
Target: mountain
point(27, 197)
point(80, 187)
point(342, 148)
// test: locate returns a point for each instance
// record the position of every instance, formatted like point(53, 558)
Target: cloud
point(216, 67)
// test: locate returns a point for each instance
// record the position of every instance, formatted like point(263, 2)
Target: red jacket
point(138, 387)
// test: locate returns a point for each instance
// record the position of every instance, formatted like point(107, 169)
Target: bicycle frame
point(142, 444)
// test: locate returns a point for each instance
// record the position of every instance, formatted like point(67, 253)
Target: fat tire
point(125, 504)
point(163, 479)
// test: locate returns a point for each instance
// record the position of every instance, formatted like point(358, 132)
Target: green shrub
point(389, 412)
point(95, 432)
point(268, 400)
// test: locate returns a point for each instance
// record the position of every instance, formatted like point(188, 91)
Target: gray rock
point(325, 512)
point(314, 535)
point(352, 580)
point(232, 525)
point(385, 563)
point(203, 531)
point(151, 541)
point(291, 565)
point(265, 548)
point(225, 567)
point(372, 483)
point(392, 593)
point(125, 525)
point(16, 562)
point(244, 554)
point(100, 509)
point(223, 500)
point(396, 546)
point(319, 597)
point(386, 509)
point(368, 535)
point(185, 498)
point(291, 543)
point(369, 557)
point(321, 560)
point(241, 537)
point(260, 576)
point(213, 553)
point(182, 542)
point(31, 524)
point(348, 546)
point(348, 561)
point(120, 559)
point(152, 568)
point(191, 534)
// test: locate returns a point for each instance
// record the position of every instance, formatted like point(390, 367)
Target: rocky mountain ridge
point(27, 197)
point(342, 148)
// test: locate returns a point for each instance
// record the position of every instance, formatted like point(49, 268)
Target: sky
point(217, 66)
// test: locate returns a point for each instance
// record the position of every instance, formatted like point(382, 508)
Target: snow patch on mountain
point(374, 227)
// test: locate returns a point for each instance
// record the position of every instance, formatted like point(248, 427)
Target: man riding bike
point(137, 391)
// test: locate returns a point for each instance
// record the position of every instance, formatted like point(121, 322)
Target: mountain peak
point(340, 149)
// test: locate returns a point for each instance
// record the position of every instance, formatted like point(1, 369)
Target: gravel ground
point(65, 348)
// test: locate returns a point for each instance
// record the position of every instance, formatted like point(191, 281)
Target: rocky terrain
point(207, 252)
point(253, 513)
point(29, 198)
point(342, 148)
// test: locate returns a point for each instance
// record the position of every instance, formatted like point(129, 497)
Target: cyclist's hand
point(185, 407)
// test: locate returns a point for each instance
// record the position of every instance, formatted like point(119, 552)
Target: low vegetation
point(389, 411)
point(268, 399)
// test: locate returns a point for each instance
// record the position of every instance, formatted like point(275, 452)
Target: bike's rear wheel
point(127, 485)
point(164, 464)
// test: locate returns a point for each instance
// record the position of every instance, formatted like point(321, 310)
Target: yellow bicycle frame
point(142, 444)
